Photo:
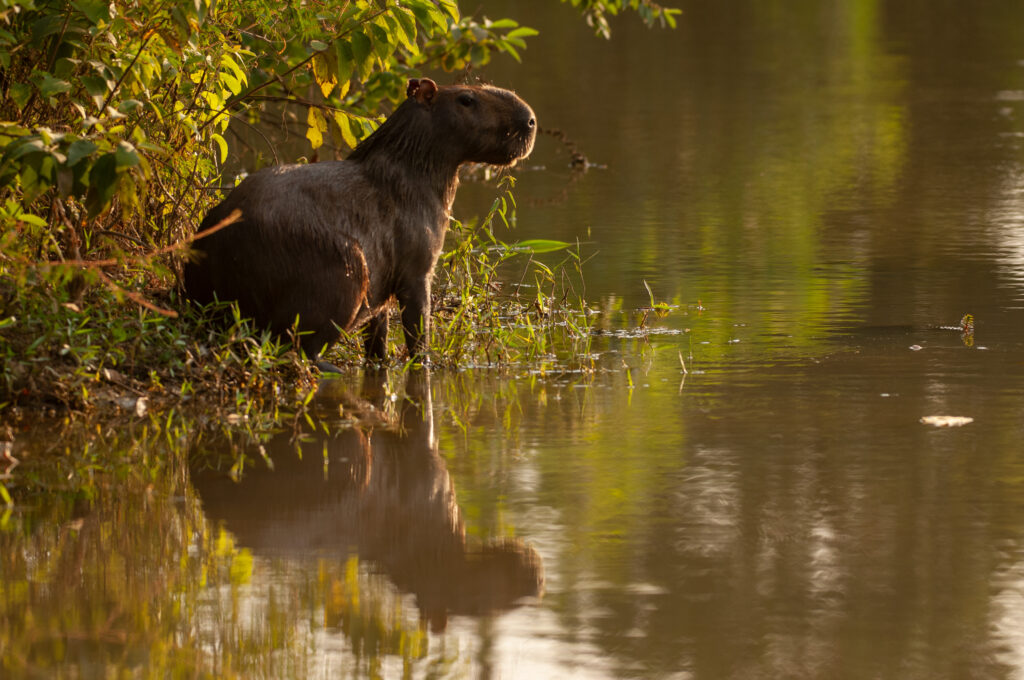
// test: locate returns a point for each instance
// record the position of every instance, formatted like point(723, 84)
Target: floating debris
point(641, 332)
point(947, 421)
point(965, 328)
point(136, 405)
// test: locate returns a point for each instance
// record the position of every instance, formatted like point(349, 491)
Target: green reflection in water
point(111, 565)
point(741, 169)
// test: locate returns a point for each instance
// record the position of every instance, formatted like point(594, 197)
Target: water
point(823, 190)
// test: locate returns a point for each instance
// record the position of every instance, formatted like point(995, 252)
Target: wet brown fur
point(332, 243)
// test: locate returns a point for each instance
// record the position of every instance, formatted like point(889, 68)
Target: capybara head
point(491, 125)
point(457, 123)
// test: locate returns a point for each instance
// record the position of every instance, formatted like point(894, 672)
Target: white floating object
point(947, 421)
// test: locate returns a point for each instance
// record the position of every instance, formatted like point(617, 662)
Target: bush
point(115, 124)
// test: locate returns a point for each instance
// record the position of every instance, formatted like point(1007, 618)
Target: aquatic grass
point(485, 317)
point(100, 352)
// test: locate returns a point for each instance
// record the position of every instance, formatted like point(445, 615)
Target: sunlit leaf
point(521, 32)
point(407, 25)
point(540, 245)
point(325, 72)
point(501, 23)
point(344, 124)
point(316, 127)
point(222, 146)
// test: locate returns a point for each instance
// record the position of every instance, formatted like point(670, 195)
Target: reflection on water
point(823, 190)
point(384, 495)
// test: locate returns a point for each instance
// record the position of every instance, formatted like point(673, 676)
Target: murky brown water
point(821, 188)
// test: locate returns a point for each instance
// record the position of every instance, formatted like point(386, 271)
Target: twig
point(135, 297)
point(180, 245)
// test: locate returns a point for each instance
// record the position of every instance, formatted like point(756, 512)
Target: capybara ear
point(423, 89)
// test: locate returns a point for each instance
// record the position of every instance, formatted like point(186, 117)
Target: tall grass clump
point(501, 303)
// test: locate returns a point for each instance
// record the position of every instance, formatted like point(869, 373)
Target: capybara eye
point(466, 99)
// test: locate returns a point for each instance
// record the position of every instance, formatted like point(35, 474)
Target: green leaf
point(20, 93)
point(480, 56)
point(129, 105)
point(384, 43)
point(451, 8)
point(48, 85)
point(362, 48)
point(344, 59)
point(540, 245)
point(102, 184)
point(429, 16)
point(509, 49)
point(229, 61)
point(34, 220)
point(126, 155)
point(231, 82)
point(407, 28)
point(521, 32)
point(78, 150)
point(95, 10)
point(48, 25)
point(22, 146)
point(96, 87)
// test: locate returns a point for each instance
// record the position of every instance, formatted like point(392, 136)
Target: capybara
point(332, 243)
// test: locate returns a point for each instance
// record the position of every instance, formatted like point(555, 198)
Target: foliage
point(117, 119)
point(597, 12)
point(115, 115)
point(543, 312)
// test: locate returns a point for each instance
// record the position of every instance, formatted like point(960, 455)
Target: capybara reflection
point(385, 494)
point(333, 243)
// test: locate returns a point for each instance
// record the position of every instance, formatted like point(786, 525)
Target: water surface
point(822, 190)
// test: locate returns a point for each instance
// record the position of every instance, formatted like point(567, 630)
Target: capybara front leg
point(416, 322)
point(375, 339)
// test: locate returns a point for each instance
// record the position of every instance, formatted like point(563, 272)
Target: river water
point(754, 486)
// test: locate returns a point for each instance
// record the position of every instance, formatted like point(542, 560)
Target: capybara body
point(332, 243)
